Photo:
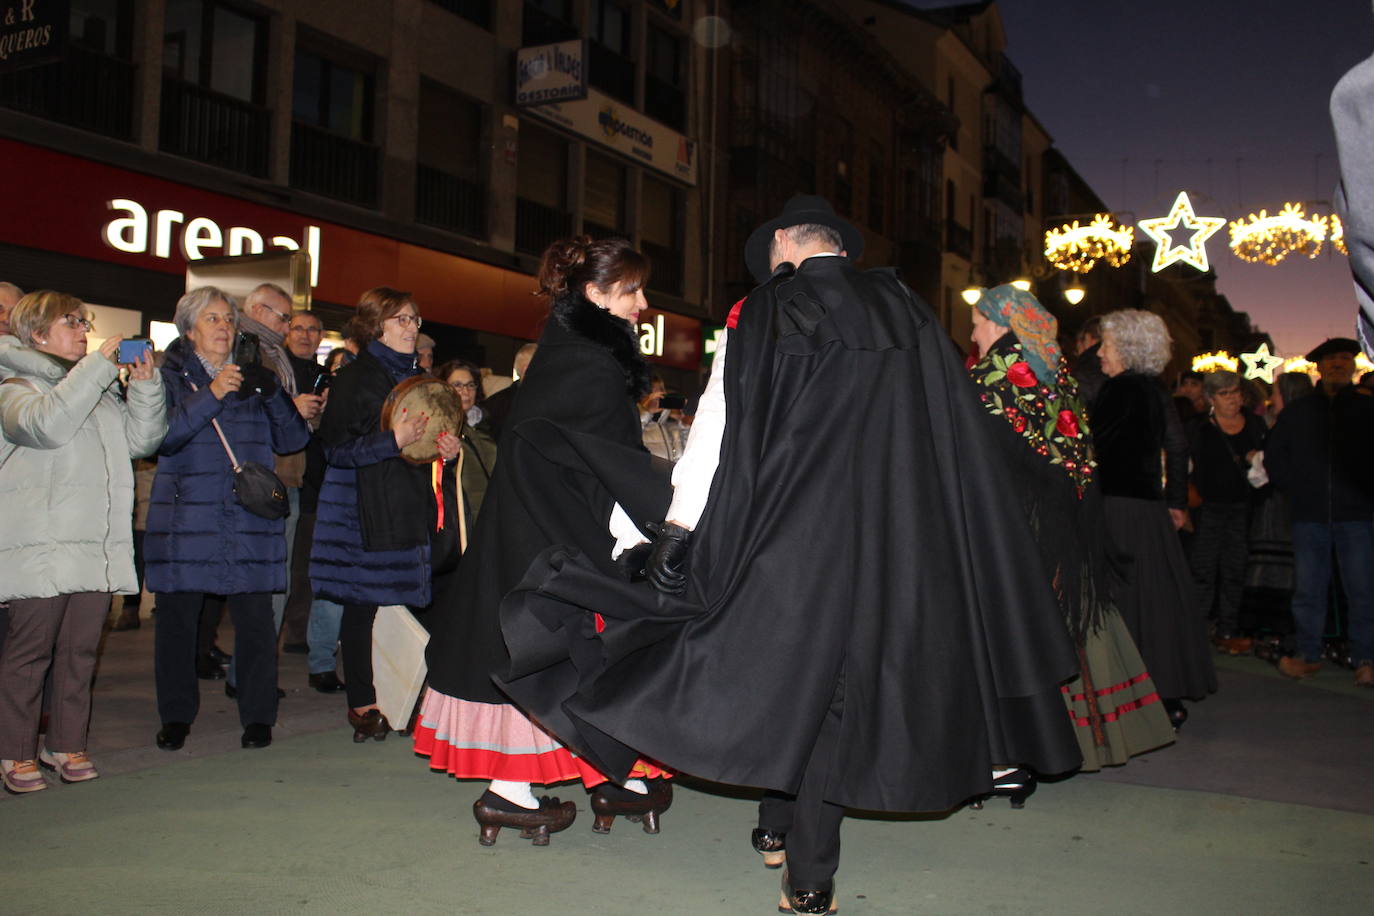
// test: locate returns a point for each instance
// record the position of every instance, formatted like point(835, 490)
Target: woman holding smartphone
point(65, 470)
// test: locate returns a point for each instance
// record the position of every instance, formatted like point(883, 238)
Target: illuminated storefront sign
point(602, 119)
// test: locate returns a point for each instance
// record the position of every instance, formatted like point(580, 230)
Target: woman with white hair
point(1130, 420)
point(200, 538)
point(68, 490)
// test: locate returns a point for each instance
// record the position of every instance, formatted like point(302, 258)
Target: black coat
point(570, 449)
point(881, 546)
point(1318, 455)
point(1133, 422)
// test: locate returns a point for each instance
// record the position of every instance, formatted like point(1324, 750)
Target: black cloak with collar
point(570, 449)
point(859, 527)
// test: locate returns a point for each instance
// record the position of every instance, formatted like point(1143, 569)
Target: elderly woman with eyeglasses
point(379, 533)
point(479, 448)
point(67, 485)
point(201, 540)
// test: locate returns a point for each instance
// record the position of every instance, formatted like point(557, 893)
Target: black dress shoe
point(232, 692)
point(172, 735)
point(219, 655)
point(207, 669)
point(256, 734)
point(296, 648)
point(806, 900)
point(771, 844)
point(326, 682)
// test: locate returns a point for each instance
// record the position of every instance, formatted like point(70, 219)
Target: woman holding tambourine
point(389, 515)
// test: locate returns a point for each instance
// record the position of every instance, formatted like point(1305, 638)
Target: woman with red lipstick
point(572, 472)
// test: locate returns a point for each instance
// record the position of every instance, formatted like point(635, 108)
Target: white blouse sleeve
point(694, 471)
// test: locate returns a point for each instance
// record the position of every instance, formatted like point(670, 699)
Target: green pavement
point(318, 825)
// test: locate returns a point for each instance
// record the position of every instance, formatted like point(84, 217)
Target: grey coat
point(68, 475)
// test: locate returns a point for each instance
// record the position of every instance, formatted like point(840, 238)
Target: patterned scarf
point(1035, 328)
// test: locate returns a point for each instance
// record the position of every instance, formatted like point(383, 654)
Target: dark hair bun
point(562, 260)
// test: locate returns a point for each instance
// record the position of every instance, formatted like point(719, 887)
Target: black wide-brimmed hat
point(801, 210)
point(1334, 345)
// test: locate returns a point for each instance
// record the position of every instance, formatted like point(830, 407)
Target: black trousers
point(355, 649)
point(811, 823)
point(1218, 555)
point(255, 651)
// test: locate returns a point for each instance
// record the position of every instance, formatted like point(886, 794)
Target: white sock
point(517, 793)
point(999, 772)
point(637, 786)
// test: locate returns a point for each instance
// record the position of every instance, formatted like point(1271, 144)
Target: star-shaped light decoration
point(1261, 363)
point(1199, 229)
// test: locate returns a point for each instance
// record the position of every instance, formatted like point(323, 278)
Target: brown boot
point(127, 619)
point(1364, 675)
point(1297, 668)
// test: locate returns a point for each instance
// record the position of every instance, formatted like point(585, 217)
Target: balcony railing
point(665, 268)
point(539, 28)
point(215, 129)
point(665, 102)
point(611, 73)
point(475, 11)
point(334, 166)
point(958, 239)
point(87, 89)
point(537, 226)
point(450, 202)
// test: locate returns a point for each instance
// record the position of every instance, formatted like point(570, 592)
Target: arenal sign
point(32, 32)
point(600, 118)
point(551, 73)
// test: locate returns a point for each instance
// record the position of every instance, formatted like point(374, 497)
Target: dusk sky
point(1227, 99)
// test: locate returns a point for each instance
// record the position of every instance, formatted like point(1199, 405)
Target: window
point(546, 21)
point(611, 68)
point(449, 191)
point(664, 99)
point(611, 26)
point(103, 26)
point(603, 202)
point(541, 206)
point(476, 11)
point(661, 234)
point(332, 96)
point(215, 47)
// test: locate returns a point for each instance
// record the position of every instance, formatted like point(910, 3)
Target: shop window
point(603, 200)
point(541, 196)
point(449, 191)
point(660, 233)
point(213, 60)
point(92, 88)
point(331, 131)
point(612, 68)
point(664, 99)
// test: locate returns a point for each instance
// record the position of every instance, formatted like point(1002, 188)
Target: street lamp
point(1022, 284)
point(1074, 294)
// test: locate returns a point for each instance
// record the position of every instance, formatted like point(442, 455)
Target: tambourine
point(433, 397)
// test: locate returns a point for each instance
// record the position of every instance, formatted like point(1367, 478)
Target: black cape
point(570, 450)
point(880, 544)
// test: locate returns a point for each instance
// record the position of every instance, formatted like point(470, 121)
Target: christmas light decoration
point(1181, 219)
point(1212, 362)
point(1078, 248)
point(1269, 239)
point(1299, 364)
point(1261, 363)
point(1363, 363)
point(1074, 294)
point(1337, 235)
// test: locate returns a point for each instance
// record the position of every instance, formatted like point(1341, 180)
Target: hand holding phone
point(131, 350)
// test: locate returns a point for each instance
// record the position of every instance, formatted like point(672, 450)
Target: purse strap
point(219, 432)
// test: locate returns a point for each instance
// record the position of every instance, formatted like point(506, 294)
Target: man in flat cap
point(1319, 455)
point(846, 611)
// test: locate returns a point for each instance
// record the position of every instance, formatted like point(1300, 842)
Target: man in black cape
point(862, 619)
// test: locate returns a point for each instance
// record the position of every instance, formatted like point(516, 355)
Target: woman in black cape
point(572, 472)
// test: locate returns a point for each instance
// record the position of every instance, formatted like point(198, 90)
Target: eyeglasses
point(470, 386)
point(282, 316)
point(76, 321)
point(406, 320)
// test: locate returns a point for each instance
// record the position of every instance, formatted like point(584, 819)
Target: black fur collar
point(577, 315)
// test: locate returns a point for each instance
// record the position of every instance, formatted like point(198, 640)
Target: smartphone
point(321, 383)
point(131, 350)
point(672, 402)
point(246, 350)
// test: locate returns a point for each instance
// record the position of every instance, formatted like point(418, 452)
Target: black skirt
point(1157, 600)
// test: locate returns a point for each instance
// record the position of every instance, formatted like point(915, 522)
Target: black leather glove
point(667, 563)
point(631, 562)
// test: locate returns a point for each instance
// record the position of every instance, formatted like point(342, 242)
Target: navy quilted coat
point(199, 538)
point(341, 568)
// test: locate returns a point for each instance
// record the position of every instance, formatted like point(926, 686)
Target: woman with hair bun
point(573, 474)
point(1130, 419)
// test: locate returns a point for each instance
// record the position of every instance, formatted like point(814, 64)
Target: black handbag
point(256, 488)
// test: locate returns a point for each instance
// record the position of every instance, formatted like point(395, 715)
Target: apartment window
point(449, 191)
point(331, 131)
point(102, 26)
point(612, 68)
point(546, 21)
point(603, 200)
point(216, 47)
point(541, 203)
point(661, 234)
point(475, 11)
point(664, 99)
